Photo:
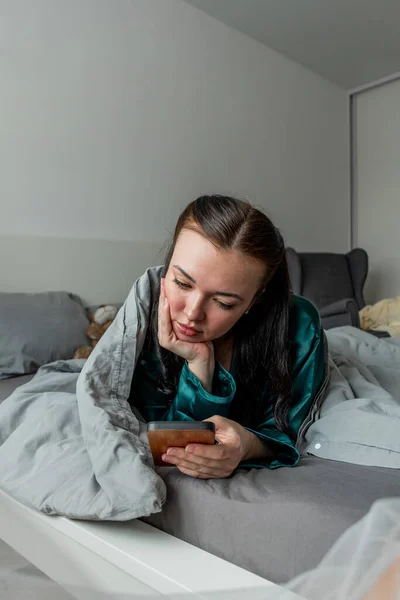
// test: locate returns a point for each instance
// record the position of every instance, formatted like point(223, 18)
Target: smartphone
point(164, 434)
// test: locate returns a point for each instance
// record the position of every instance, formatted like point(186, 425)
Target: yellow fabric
point(382, 316)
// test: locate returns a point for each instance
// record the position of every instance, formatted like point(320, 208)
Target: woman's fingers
point(196, 474)
point(167, 337)
point(198, 466)
point(203, 470)
point(180, 456)
point(164, 318)
point(201, 453)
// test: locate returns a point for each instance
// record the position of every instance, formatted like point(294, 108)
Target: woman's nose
point(194, 309)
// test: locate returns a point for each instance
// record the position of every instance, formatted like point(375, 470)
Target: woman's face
point(209, 289)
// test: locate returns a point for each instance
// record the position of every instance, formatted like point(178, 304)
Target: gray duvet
point(359, 419)
point(70, 444)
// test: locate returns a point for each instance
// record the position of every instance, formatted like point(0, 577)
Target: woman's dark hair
point(261, 337)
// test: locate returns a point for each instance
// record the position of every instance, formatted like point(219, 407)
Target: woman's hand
point(199, 355)
point(206, 462)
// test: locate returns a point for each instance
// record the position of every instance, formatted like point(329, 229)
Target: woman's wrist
point(255, 447)
point(204, 371)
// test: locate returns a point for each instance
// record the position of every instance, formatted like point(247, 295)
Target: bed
point(226, 538)
point(132, 559)
point(245, 532)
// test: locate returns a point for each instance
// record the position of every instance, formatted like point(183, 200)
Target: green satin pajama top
point(192, 402)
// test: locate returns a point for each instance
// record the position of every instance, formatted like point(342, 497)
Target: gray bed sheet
point(276, 524)
point(7, 386)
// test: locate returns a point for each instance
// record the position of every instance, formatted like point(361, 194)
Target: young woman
point(229, 343)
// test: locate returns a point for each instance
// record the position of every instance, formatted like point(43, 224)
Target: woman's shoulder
point(304, 316)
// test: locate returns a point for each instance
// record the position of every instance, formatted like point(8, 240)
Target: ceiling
point(349, 42)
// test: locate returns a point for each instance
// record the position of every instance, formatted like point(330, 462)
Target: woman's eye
point(187, 286)
point(225, 306)
point(184, 286)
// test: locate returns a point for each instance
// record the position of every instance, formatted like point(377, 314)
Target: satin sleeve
point(193, 403)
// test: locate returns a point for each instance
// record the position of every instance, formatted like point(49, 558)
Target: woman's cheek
point(221, 324)
point(175, 300)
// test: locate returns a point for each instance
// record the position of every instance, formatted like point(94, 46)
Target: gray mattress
point(7, 386)
point(274, 523)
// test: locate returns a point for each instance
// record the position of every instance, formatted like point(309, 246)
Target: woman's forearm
point(204, 371)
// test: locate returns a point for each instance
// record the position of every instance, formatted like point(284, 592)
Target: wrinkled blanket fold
point(359, 419)
point(69, 441)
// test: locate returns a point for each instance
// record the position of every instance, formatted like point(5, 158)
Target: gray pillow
point(36, 329)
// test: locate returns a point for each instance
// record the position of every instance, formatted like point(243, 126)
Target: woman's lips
point(186, 330)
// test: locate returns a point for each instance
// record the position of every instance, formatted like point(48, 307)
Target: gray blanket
point(359, 419)
point(70, 444)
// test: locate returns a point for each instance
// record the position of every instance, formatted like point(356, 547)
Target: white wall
point(115, 114)
point(378, 187)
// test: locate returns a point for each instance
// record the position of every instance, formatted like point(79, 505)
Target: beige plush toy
point(382, 316)
point(101, 320)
